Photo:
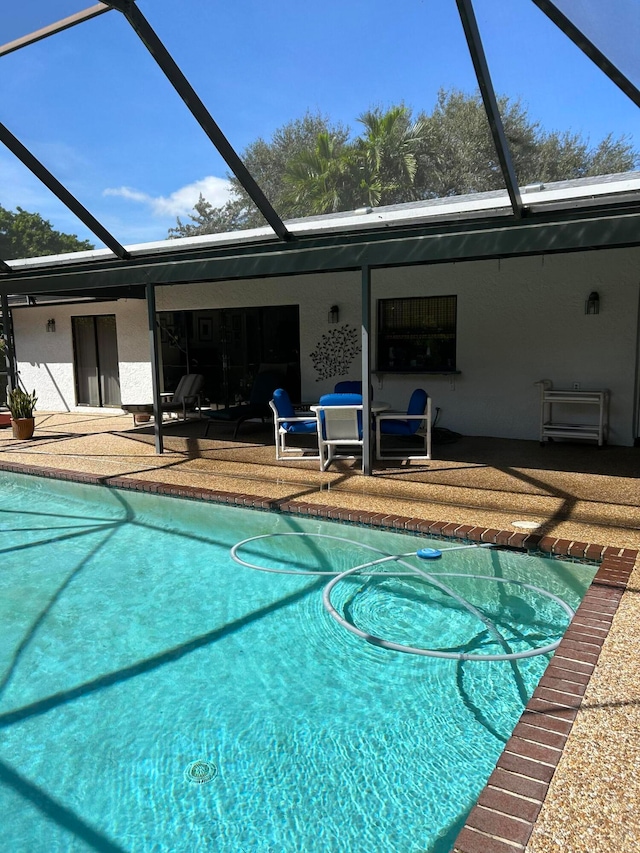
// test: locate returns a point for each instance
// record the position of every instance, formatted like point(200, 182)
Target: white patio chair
point(339, 424)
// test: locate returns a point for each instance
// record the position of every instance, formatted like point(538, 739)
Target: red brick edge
point(504, 815)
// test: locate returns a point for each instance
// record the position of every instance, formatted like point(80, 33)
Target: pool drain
point(200, 771)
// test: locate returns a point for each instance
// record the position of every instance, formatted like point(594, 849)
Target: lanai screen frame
point(10, 283)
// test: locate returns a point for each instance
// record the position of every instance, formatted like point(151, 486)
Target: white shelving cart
point(562, 412)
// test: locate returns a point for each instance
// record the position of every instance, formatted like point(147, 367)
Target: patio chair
point(339, 424)
point(186, 398)
point(406, 424)
point(348, 386)
point(288, 422)
point(261, 394)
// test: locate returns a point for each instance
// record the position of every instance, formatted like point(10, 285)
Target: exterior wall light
point(51, 325)
point(592, 305)
point(334, 314)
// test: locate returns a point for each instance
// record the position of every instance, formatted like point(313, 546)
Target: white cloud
point(217, 191)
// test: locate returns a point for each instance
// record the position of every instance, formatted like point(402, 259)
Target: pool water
point(132, 645)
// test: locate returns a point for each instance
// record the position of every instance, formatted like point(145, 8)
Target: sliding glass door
point(229, 347)
point(95, 347)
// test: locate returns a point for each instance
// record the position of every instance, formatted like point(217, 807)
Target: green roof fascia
point(501, 237)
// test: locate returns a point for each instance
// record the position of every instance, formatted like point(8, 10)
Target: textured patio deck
point(586, 503)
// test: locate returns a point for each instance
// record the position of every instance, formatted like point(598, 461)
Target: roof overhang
point(383, 246)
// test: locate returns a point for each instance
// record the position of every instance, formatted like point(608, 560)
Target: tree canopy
point(313, 167)
point(28, 235)
point(267, 162)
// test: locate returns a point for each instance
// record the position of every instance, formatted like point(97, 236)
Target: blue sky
point(92, 105)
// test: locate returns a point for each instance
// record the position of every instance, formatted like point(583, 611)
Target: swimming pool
point(132, 645)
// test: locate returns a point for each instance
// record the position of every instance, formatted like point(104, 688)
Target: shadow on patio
point(575, 491)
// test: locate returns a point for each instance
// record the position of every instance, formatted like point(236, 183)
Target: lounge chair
point(258, 406)
point(288, 422)
point(339, 424)
point(186, 398)
point(406, 424)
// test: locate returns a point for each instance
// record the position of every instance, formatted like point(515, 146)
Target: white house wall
point(519, 321)
point(45, 359)
point(315, 294)
point(522, 320)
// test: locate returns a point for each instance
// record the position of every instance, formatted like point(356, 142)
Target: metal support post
point(155, 368)
point(366, 372)
point(7, 337)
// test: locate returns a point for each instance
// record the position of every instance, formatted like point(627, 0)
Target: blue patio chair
point(339, 426)
point(348, 386)
point(406, 424)
point(288, 422)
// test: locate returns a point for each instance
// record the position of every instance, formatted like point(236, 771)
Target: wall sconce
point(592, 305)
point(334, 314)
point(51, 325)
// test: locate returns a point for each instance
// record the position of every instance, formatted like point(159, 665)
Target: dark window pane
point(95, 349)
point(108, 355)
point(417, 334)
point(86, 358)
point(230, 346)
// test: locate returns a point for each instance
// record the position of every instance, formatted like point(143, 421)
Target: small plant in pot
point(21, 406)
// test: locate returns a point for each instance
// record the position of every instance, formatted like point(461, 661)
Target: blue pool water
point(132, 645)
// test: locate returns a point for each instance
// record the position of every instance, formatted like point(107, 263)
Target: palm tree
point(389, 152)
point(379, 167)
point(317, 179)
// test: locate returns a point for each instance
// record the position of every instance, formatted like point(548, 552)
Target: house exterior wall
point(315, 294)
point(45, 359)
point(519, 320)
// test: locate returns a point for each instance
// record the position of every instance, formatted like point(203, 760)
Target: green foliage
point(21, 404)
point(320, 179)
point(459, 156)
point(379, 167)
point(311, 167)
point(207, 219)
point(267, 162)
point(28, 235)
point(388, 152)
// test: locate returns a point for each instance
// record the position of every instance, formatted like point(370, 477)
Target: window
point(417, 335)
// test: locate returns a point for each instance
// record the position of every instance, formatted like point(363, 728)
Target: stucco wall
point(519, 320)
point(315, 294)
point(522, 320)
point(45, 359)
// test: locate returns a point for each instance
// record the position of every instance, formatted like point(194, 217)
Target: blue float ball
point(428, 553)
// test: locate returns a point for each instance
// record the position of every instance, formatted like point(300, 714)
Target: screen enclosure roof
point(561, 215)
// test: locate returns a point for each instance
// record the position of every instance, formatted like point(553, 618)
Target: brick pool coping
point(503, 817)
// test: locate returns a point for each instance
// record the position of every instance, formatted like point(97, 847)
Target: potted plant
point(21, 406)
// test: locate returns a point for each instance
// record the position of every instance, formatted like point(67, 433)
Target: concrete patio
point(574, 491)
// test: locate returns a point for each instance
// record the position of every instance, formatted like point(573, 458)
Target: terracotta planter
point(23, 427)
